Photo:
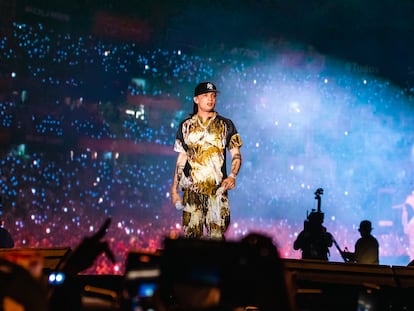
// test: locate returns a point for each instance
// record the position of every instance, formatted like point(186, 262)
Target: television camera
point(316, 217)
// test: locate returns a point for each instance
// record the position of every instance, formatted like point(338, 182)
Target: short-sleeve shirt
point(205, 145)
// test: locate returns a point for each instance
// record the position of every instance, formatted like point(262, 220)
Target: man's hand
point(175, 197)
point(88, 250)
point(179, 206)
point(228, 183)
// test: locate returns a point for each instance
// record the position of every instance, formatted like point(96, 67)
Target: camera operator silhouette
point(314, 240)
point(366, 247)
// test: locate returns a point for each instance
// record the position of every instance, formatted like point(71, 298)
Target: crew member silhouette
point(366, 247)
point(314, 240)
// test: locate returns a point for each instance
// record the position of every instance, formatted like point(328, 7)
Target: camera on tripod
point(316, 217)
point(314, 240)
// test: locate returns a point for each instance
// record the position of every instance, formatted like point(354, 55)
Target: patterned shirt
point(205, 145)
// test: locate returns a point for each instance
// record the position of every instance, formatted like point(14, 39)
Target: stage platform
point(318, 285)
point(349, 286)
point(323, 286)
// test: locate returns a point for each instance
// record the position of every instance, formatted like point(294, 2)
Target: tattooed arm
point(178, 174)
point(236, 160)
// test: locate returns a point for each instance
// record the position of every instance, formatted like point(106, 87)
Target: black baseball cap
point(205, 87)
